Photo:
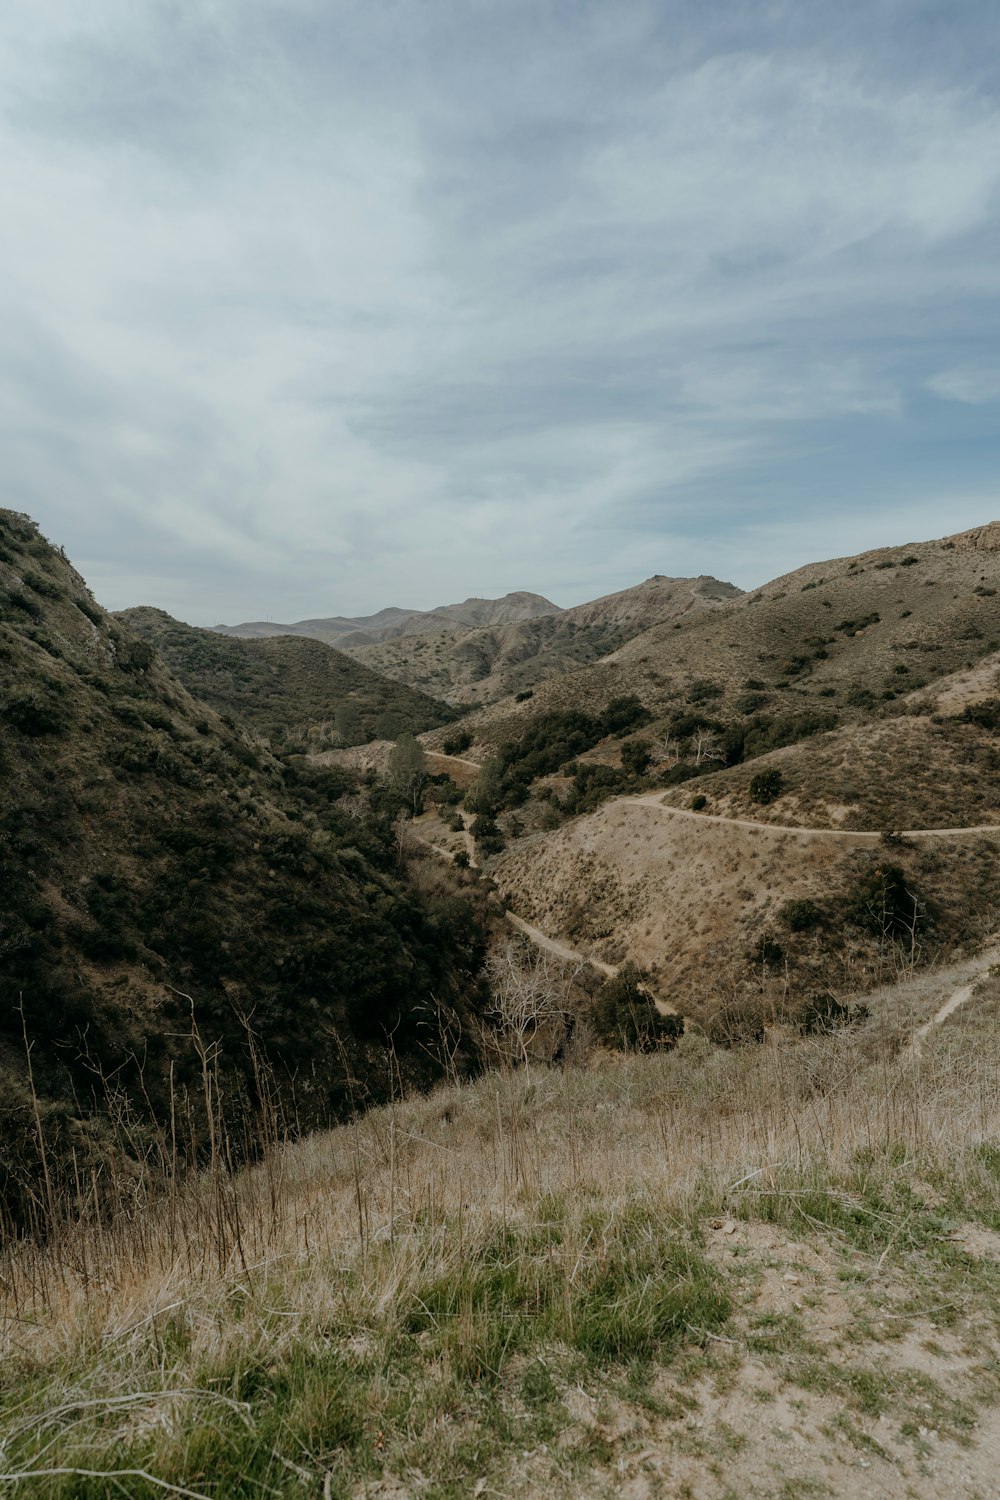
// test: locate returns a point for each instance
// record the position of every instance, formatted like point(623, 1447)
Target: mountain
point(364, 630)
point(481, 666)
point(177, 905)
point(290, 689)
point(838, 638)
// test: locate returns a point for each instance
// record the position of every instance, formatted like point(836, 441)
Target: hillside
point(359, 630)
point(290, 690)
point(177, 906)
point(840, 638)
point(480, 666)
point(620, 829)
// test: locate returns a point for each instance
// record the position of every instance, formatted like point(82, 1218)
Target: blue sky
point(313, 306)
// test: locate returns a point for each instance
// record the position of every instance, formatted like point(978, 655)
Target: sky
point(313, 306)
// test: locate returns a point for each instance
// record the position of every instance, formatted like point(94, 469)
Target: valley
point(521, 1050)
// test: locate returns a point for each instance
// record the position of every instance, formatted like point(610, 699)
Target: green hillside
point(292, 690)
point(177, 905)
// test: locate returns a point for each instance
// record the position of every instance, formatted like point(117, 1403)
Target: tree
point(636, 757)
point(407, 771)
point(347, 724)
point(530, 1003)
point(706, 746)
point(486, 793)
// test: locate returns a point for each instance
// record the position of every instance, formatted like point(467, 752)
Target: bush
point(636, 757)
point(625, 1015)
point(457, 743)
point(800, 916)
point(34, 714)
point(47, 587)
point(697, 803)
point(766, 787)
point(985, 714)
point(703, 691)
point(823, 1012)
point(883, 902)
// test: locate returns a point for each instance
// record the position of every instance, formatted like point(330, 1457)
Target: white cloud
point(328, 308)
point(973, 387)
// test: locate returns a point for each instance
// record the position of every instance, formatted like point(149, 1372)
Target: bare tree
point(530, 1000)
point(706, 746)
point(665, 751)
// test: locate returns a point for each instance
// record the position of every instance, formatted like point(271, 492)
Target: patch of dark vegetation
point(766, 787)
point(551, 741)
point(625, 1015)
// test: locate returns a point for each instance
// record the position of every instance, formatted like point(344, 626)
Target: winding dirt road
point(849, 835)
point(975, 969)
point(959, 997)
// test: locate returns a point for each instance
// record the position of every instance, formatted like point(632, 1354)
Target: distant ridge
point(387, 624)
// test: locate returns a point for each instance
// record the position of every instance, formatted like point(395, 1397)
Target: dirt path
point(976, 968)
point(560, 950)
point(849, 835)
point(457, 760)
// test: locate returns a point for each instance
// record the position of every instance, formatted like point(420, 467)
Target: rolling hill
point(841, 638)
point(721, 799)
point(289, 689)
point(483, 665)
point(364, 630)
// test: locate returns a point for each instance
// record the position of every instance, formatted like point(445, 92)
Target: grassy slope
point(157, 866)
point(771, 1272)
point(289, 688)
point(482, 665)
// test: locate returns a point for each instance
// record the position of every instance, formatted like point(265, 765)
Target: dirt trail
point(457, 760)
point(561, 950)
point(975, 969)
point(849, 835)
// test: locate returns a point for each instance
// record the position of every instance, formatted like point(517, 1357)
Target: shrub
point(47, 587)
point(636, 757)
point(457, 743)
point(800, 915)
point(697, 803)
point(823, 1012)
point(985, 714)
point(703, 691)
point(34, 714)
point(523, 697)
point(883, 902)
point(92, 611)
point(625, 1015)
point(766, 786)
point(851, 627)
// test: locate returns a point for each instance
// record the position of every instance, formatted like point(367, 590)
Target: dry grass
point(445, 1293)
